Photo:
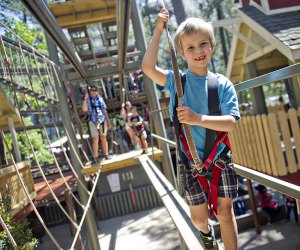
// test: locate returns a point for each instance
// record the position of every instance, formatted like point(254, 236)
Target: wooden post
point(253, 206)
point(72, 213)
point(96, 205)
point(298, 206)
point(12, 130)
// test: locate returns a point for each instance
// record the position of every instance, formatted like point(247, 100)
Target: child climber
point(195, 42)
point(137, 122)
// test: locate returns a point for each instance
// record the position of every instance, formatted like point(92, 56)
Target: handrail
point(171, 143)
point(267, 180)
point(277, 75)
point(174, 203)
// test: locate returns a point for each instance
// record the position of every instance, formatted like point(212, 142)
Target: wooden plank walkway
point(120, 161)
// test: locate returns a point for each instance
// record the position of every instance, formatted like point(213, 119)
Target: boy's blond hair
point(190, 26)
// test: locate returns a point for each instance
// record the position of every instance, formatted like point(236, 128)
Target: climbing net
point(26, 72)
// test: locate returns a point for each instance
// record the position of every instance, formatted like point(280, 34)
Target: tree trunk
point(222, 36)
point(179, 11)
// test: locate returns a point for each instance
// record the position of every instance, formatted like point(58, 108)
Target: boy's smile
point(197, 51)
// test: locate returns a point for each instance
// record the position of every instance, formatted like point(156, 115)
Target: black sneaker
point(209, 242)
point(107, 157)
point(145, 151)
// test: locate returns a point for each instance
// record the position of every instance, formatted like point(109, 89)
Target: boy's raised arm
point(149, 66)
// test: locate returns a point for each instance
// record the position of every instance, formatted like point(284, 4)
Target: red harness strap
point(212, 189)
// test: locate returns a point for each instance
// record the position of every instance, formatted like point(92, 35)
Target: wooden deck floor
point(120, 161)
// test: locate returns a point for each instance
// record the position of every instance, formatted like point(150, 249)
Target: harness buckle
point(221, 163)
point(198, 170)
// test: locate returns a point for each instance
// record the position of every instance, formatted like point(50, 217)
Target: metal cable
point(27, 194)
point(12, 240)
point(28, 138)
point(47, 137)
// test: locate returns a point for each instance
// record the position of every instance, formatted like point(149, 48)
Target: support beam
point(257, 94)
point(123, 17)
point(103, 72)
point(43, 15)
point(66, 117)
point(150, 89)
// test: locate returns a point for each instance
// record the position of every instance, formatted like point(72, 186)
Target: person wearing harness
point(125, 110)
point(137, 123)
point(215, 184)
point(98, 120)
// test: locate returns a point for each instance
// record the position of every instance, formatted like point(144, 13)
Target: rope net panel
point(29, 79)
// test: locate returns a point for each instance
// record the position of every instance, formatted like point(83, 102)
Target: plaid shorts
point(227, 186)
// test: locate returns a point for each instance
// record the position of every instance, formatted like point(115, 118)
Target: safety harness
point(212, 141)
point(95, 108)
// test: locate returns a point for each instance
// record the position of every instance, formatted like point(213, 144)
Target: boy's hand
point(162, 19)
point(187, 115)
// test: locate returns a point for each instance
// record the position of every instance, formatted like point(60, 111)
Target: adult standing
point(99, 121)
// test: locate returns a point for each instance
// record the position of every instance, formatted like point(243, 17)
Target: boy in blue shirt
point(195, 41)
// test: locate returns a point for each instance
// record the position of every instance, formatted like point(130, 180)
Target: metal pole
point(62, 96)
point(150, 89)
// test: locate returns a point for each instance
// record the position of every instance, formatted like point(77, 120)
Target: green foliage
point(31, 33)
point(43, 155)
point(19, 230)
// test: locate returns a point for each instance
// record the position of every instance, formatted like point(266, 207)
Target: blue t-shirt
point(96, 106)
point(195, 97)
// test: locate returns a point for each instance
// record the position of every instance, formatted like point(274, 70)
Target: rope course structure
point(25, 70)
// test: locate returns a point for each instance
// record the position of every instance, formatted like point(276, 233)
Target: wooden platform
point(120, 161)
point(7, 109)
point(72, 14)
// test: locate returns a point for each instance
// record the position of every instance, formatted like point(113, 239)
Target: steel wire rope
point(77, 118)
point(27, 194)
point(71, 144)
point(23, 185)
point(86, 210)
point(47, 137)
point(23, 41)
point(4, 69)
point(67, 133)
point(46, 133)
point(10, 52)
point(48, 140)
point(29, 140)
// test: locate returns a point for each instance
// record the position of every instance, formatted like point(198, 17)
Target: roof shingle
point(284, 26)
